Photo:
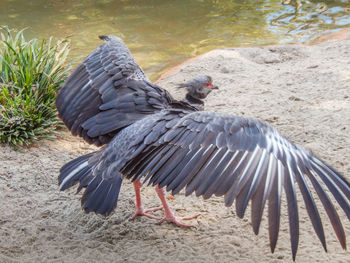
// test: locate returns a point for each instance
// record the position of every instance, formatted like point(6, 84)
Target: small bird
point(152, 138)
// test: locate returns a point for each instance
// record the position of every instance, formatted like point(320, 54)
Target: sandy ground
point(301, 90)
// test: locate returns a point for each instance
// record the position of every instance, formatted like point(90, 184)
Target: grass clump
point(31, 73)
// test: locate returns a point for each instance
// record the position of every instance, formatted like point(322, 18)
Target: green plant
point(31, 73)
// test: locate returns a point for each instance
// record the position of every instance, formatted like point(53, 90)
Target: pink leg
point(140, 211)
point(169, 215)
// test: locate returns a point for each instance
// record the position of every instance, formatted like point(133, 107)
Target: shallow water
point(163, 33)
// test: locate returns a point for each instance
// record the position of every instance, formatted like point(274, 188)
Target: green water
point(162, 34)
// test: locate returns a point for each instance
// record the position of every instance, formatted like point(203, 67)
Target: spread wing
point(107, 92)
point(242, 159)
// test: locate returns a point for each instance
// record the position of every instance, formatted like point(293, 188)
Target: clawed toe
point(145, 212)
point(176, 220)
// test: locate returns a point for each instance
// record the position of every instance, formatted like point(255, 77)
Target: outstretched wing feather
point(108, 83)
point(242, 159)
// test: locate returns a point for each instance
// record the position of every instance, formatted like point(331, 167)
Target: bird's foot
point(176, 220)
point(140, 211)
point(169, 215)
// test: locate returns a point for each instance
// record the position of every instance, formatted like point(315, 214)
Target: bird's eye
point(209, 84)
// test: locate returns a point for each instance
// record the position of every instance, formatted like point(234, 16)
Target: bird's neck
point(198, 103)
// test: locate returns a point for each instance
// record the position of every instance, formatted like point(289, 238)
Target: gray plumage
point(152, 137)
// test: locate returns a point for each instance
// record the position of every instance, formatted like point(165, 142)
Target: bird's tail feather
point(101, 194)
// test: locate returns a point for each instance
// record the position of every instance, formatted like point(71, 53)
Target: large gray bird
point(173, 145)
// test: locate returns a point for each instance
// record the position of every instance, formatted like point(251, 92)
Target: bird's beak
point(214, 87)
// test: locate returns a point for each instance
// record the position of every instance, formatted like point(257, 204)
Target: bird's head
point(199, 87)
